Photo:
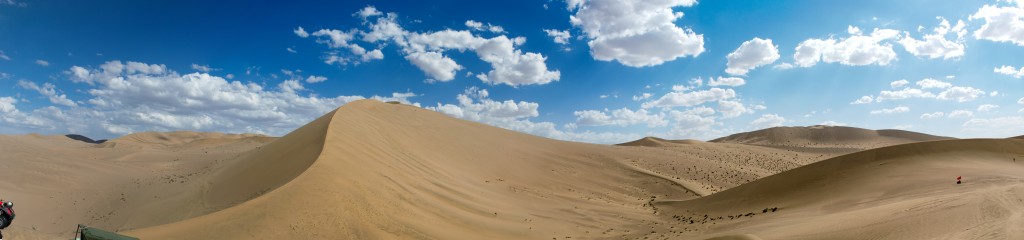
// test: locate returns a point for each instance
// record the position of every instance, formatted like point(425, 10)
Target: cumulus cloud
point(751, 54)
point(689, 99)
point(479, 26)
point(932, 83)
point(131, 97)
point(903, 94)
point(315, 79)
point(999, 125)
point(863, 100)
point(559, 36)
point(203, 68)
point(425, 50)
point(437, 66)
point(961, 94)
point(932, 115)
point(899, 109)
point(337, 39)
point(936, 45)
point(636, 33)
point(898, 83)
point(1010, 71)
point(301, 32)
point(50, 91)
point(768, 120)
point(43, 63)
point(855, 50)
point(726, 81)
point(832, 123)
point(620, 117)
point(987, 107)
point(642, 96)
point(1001, 23)
point(960, 114)
point(474, 104)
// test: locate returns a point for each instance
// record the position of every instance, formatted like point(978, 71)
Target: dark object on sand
point(958, 182)
point(6, 214)
point(85, 139)
point(88, 233)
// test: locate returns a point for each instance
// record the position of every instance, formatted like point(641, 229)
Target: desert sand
point(372, 170)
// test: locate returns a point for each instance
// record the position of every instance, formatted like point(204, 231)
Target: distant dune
point(371, 170)
point(658, 142)
point(833, 139)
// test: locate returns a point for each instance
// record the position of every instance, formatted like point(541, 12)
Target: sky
point(596, 71)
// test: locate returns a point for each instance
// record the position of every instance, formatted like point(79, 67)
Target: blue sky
point(594, 71)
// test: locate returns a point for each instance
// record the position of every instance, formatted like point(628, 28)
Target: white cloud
point(932, 115)
point(783, 66)
point(832, 123)
point(936, 45)
point(509, 65)
point(726, 81)
point(4, 56)
point(620, 117)
point(478, 26)
point(987, 107)
point(731, 109)
point(863, 100)
point(932, 83)
point(315, 79)
point(475, 105)
point(50, 91)
point(636, 33)
point(750, 55)
point(1020, 101)
point(899, 109)
point(960, 94)
point(903, 127)
point(437, 66)
point(147, 97)
point(1011, 71)
point(291, 50)
point(301, 32)
point(999, 125)
point(642, 96)
point(960, 114)
point(559, 36)
point(689, 99)
point(993, 94)
point(368, 11)
point(203, 68)
point(768, 120)
point(43, 63)
point(1002, 23)
point(856, 50)
point(903, 94)
point(898, 83)
point(337, 39)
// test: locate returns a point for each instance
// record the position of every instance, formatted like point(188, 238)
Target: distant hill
point(656, 142)
point(828, 137)
point(85, 139)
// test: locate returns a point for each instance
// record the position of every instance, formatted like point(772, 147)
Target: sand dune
point(835, 140)
point(373, 170)
point(899, 192)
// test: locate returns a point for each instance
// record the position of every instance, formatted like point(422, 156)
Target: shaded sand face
point(372, 170)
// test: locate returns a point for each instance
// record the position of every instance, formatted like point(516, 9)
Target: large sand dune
point(373, 170)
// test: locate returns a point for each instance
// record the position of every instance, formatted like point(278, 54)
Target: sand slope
point(393, 171)
point(899, 192)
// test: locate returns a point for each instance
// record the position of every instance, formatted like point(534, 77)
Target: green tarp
point(88, 233)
